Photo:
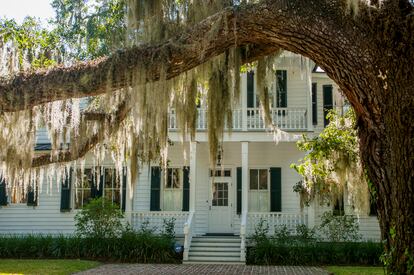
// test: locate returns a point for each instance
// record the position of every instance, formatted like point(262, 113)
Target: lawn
point(351, 270)
point(44, 266)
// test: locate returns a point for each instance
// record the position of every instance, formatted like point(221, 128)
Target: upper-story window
point(327, 102)
point(314, 104)
point(281, 88)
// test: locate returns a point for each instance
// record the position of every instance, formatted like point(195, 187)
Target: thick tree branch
point(293, 25)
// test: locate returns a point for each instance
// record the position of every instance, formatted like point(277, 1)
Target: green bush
point(142, 246)
point(343, 228)
point(304, 248)
point(99, 218)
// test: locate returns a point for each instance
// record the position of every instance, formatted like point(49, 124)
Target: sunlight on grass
point(357, 270)
point(61, 267)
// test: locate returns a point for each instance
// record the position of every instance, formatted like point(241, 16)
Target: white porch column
point(129, 194)
point(193, 174)
point(245, 175)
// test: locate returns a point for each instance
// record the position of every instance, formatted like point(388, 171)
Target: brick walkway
point(201, 269)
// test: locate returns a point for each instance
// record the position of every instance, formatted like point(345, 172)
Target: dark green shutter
point(186, 188)
point(327, 102)
point(275, 189)
point(155, 188)
point(124, 184)
point(32, 196)
point(3, 192)
point(281, 88)
point(65, 193)
point(314, 104)
point(239, 190)
point(250, 89)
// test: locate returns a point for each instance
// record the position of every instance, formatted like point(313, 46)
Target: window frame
point(75, 188)
point(267, 190)
point(164, 189)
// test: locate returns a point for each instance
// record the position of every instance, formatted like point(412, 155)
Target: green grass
point(44, 266)
point(351, 270)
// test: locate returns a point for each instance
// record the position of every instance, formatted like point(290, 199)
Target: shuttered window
point(327, 102)
point(281, 88)
point(314, 104)
point(3, 192)
point(65, 193)
point(259, 190)
point(275, 189)
point(186, 189)
point(250, 89)
point(172, 190)
point(239, 190)
point(155, 189)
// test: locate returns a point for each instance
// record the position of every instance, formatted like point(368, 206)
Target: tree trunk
point(387, 151)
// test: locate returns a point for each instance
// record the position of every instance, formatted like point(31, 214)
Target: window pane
point(176, 178)
point(109, 177)
point(263, 179)
point(253, 179)
point(86, 196)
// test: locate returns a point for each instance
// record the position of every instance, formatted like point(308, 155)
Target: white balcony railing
point(293, 119)
point(275, 221)
point(155, 220)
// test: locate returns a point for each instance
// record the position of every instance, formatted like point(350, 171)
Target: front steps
point(215, 250)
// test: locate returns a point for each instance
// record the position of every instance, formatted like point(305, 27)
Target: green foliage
point(100, 218)
point(142, 246)
point(331, 161)
point(89, 28)
point(343, 228)
point(34, 43)
point(271, 252)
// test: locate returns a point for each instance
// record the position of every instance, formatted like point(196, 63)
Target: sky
point(19, 9)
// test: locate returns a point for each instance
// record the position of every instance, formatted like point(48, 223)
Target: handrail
point(188, 235)
point(243, 225)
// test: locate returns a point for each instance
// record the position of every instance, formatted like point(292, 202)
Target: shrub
point(339, 228)
point(100, 218)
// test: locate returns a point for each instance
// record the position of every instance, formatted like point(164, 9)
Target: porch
point(251, 119)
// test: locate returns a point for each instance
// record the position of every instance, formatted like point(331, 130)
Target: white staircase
point(215, 249)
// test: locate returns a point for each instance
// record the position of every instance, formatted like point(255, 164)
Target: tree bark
point(369, 55)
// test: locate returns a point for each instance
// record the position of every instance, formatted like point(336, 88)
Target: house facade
point(252, 181)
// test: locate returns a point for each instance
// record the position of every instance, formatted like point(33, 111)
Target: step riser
point(214, 254)
point(235, 245)
point(218, 249)
point(214, 259)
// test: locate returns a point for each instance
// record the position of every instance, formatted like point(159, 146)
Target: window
point(281, 88)
point(221, 172)
point(327, 102)
point(338, 207)
point(220, 194)
point(373, 211)
point(250, 89)
point(92, 185)
point(314, 104)
point(20, 195)
point(172, 191)
point(259, 190)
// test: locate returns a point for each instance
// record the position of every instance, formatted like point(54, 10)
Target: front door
point(221, 205)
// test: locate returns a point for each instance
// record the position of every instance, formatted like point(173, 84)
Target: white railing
point(243, 225)
point(155, 220)
point(188, 235)
point(284, 118)
point(276, 221)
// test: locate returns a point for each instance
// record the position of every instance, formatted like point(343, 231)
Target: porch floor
point(201, 269)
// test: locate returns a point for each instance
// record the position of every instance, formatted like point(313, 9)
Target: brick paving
point(201, 269)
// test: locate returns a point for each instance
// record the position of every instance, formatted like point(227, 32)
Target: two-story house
point(213, 213)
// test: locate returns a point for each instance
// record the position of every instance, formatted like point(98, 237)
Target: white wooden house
point(253, 181)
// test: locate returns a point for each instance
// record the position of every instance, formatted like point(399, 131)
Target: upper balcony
point(251, 119)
